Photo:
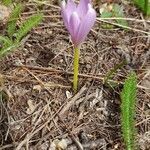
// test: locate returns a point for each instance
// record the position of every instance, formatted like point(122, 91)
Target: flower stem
point(76, 68)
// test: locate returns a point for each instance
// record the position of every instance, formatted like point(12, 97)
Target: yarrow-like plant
point(78, 20)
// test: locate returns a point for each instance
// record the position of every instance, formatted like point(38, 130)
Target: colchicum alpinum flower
point(78, 19)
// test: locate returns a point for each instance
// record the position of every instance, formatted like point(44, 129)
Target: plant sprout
point(78, 19)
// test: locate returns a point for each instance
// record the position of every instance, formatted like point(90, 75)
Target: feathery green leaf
point(7, 44)
point(7, 49)
point(6, 2)
point(11, 29)
point(128, 97)
point(27, 26)
point(5, 41)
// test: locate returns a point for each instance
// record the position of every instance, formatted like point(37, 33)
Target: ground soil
point(39, 109)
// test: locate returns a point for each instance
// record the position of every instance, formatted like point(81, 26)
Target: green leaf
point(106, 14)
point(6, 50)
point(7, 2)
point(118, 12)
point(27, 26)
point(7, 45)
point(11, 29)
point(144, 5)
point(112, 72)
point(128, 97)
point(5, 41)
point(114, 11)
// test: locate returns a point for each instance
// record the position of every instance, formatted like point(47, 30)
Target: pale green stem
point(76, 68)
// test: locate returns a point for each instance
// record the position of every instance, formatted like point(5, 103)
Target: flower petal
point(86, 24)
point(67, 10)
point(65, 18)
point(70, 8)
point(74, 26)
point(83, 7)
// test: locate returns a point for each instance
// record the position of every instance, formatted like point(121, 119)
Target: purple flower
point(78, 19)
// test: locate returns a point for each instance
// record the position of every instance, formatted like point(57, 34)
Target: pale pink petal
point(86, 24)
point(64, 13)
point(65, 18)
point(74, 26)
point(83, 7)
point(70, 8)
point(78, 20)
point(67, 10)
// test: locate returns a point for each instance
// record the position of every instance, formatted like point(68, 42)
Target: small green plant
point(6, 2)
point(11, 28)
point(113, 11)
point(13, 35)
point(144, 5)
point(128, 97)
point(112, 73)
